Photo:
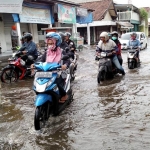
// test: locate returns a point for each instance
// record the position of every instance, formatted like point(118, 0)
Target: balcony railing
point(128, 15)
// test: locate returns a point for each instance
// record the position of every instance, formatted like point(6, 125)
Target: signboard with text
point(11, 6)
point(32, 15)
point(66, 14)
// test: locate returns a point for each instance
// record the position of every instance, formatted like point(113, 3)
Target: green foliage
point(143, 14)
point(141, 28)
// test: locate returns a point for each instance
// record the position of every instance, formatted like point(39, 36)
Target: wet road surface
point(112, 116)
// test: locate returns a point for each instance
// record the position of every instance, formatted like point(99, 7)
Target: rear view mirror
point(141, 43)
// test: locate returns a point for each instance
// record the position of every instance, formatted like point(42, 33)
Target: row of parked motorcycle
point(47, 92)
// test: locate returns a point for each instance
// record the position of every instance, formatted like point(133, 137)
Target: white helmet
point(105, 35)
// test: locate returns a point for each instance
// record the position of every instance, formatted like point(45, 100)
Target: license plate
point(43, 75)
point(103, 54)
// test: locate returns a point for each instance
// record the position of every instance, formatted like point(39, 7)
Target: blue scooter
point(47, 92)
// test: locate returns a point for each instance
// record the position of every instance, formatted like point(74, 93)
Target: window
point(127, 36)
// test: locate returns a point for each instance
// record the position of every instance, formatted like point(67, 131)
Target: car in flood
point(126, 37)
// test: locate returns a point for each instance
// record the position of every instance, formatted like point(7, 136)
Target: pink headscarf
point(54, 53)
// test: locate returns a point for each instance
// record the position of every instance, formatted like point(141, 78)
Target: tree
point(144, 18)
point(143, 14)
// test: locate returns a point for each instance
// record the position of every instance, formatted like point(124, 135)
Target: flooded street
point(112, 116)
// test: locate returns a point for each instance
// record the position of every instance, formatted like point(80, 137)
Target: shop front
point(37, 16)
point(7, 35)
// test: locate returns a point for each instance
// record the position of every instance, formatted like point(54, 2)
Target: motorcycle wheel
point(101, 76)
point(41, 116)
point(131, 65)
point(9, 75)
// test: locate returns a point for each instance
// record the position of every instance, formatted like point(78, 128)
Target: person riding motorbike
point(29, 49)
point(66, 51)
point(53, 54)
point(114, 36)
point(71, 44)
point(107, 45)
point(135, 43)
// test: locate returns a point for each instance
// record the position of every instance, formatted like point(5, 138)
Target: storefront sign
point(85, 19)
point(11, 6)
point(32, 15)
point(82, 12)
point(66, 14)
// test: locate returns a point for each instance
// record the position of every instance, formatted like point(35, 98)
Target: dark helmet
point(67, 34)
point(114, 33)
point(27, 36)
point(55, 36)
point(133, 34)
point(22, 38)
point(62, 35)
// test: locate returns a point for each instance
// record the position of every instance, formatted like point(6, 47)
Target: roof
point(126, 24)
point(54, 2)
point(101, 7)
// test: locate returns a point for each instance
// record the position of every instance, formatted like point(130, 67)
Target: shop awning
point(125, 25)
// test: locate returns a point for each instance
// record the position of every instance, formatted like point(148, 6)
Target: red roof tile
point(100, 7)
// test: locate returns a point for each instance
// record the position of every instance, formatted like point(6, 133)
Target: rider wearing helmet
point(114, 36)
point(135, 43)
point(29, 49)
point(53, 54)
point(63, 44)
point(70, 43)
point(106, 44)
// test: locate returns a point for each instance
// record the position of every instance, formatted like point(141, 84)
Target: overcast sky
point(137, 3)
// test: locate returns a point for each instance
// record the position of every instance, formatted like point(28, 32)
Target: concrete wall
point(2, 36)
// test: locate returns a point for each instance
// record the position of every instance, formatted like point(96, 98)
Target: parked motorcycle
point(106, 68)
point(131, 58)
point(47, 92)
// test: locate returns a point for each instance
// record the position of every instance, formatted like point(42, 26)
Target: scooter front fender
point(102, 68)
point(42, 98)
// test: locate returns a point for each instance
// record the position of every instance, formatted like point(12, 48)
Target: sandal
point(63, 99)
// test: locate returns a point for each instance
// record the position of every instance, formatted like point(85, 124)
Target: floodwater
point(112, 116)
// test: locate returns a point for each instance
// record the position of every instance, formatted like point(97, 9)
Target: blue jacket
point(30, 48)
point(134, 43)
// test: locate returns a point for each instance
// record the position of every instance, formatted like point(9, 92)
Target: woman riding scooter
point(114, 37)
point(53, 54)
